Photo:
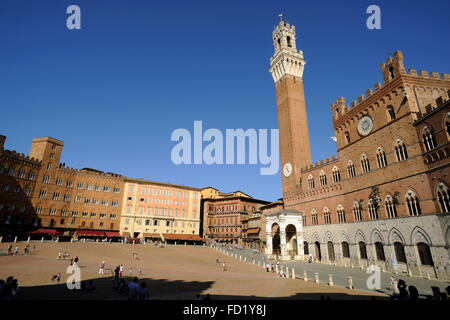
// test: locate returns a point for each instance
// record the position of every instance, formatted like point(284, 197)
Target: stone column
point(269, 248)
point(283, 245)
point(338, 259)
point(300, 247)
point(371, 254)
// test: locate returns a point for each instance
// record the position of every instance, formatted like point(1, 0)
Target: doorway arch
point(318, 255)
point(276, 239)
point(330, 248)
point(291, 239)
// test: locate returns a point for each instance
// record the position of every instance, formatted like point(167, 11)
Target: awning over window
point(112, 234)
point(126, 234)
point(90, 233)
point(253, 231)
point(152, 235)
point(183, 237)
point(51, 232)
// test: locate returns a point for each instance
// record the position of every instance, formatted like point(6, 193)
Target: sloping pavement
point(340, 274)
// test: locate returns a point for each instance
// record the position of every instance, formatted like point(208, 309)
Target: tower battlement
point(286, 60)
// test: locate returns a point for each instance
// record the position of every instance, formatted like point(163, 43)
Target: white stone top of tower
point(286, 59)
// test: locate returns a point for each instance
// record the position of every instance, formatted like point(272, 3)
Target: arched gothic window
point(443, 197)
point(365, 165)
point(391, 113)
point(391, 209)
point(289, 41)
point(347, 138)
point(351, 169)
point(326, 215)
point(413, 203)
point(314, 216)
point(425, 254)
point(341, 214)
point(373, 212)
point(400, 150)
point(336, 175)
point(323, 178)
point(428, 138)
point(311, 182)
point(357, 211)
point(381, 158)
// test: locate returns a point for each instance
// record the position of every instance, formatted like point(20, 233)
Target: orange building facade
point(39, 191)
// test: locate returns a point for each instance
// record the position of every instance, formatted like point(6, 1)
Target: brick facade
point(382, 188)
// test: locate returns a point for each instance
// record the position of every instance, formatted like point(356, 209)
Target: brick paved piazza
point(172, 272)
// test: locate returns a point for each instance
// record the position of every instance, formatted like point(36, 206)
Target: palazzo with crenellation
point(384, 198)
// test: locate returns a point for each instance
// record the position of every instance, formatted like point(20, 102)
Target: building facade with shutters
point(384, 198)
point(160, 211)
point(226, 216)
point(39, 191)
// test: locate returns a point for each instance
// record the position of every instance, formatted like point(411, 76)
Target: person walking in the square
point(121, 271)
point(102, 266)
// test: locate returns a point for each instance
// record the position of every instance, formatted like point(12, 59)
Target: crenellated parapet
point(393, 72)
point(20, 158)
point(87, 172)
point(429, 109)
point(319, 164)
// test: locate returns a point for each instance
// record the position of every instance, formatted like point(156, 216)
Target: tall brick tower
point(286, 67)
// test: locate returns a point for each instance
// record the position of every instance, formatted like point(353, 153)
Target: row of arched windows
point(423, 250)
point(401, 155)
point(390, 205)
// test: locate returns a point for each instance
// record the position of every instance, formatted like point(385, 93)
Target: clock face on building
point(365, 125)
point(287, 169)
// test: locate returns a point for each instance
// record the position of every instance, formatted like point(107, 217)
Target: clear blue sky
point(116, 89)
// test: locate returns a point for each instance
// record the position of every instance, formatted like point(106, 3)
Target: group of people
point(9, 288)
point(64, 256)
point(404, 292)
point(134, 290)
point(224, 264)
point(118, 271)
point(26, 250)
point(271, 267)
